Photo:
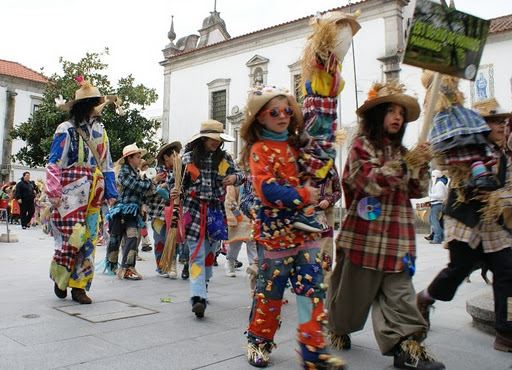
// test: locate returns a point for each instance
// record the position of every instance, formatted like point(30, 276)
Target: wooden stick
point(431, 104)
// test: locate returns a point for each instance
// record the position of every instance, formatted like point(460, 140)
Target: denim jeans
point(234, 250)
point(435, 215)
point(201, 267)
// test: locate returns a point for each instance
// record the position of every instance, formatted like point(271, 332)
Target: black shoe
point(58, 292)
point(238, 264)
point(429, 237)
point(198, 306)
point(412, 355)
point(485, 182)
point(185, 273)
point(146, 248)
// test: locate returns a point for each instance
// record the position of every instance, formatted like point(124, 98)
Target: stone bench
point(481, 308)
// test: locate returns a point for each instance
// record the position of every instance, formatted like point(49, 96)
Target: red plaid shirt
point(380, 244)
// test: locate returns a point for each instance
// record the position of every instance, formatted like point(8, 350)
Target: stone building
point(208, 75)
point(21, 91)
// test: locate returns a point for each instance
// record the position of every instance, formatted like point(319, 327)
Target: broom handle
point(431, 104)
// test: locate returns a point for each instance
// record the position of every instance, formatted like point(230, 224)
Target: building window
point(218, 99)
point(219, 106)
point(36, 102)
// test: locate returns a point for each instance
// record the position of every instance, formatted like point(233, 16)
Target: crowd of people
point(278, 199)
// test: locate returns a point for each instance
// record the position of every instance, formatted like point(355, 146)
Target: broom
point(171, 222)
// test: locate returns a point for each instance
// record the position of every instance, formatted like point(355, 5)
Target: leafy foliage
point(38, 131)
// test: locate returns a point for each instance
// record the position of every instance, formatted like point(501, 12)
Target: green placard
point(445, 40)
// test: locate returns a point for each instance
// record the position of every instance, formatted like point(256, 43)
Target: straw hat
point(86, 91)
point(174, 146)
point(391, 92)
point(260, 96)
point(129, 150)
point(339, 17)
point(490, 110)
point(214, 130)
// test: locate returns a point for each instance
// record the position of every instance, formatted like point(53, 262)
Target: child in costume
point(208, 169)
point(459, 138)
point(376, 248)
point(126, 214)
point(158, 201)
point(284, 252)
point(145, 240)
point(79, 176)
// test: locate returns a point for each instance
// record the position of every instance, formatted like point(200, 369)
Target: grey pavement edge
point(39, 331)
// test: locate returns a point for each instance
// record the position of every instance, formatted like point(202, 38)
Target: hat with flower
point(87, 91)
point(391, 92)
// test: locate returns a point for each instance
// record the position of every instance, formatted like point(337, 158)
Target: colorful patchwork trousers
point(201, 265)
point(300, 266)
point(159, 235)
point(124, 229)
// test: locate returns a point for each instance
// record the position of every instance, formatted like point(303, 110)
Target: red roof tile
point(501, 24)
point(13, 69)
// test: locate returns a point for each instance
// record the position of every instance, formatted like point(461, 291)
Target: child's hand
point(175, 193)
point(313, 193)
point(323, 204)
point(229, 180)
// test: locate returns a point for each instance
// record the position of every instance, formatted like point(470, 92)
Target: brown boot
point(79, 296)
point(503, 342)
point(424, 306)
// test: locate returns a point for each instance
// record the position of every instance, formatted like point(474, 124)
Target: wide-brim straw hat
point(339, 17)
point(214, 130)
point(490, 110)
point(391, 92)
point(174, 146)
point(87, 91)
point(129, 150)
point(259, 97)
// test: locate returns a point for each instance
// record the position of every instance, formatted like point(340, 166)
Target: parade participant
point(25, 194)
point(158, 201)
point(437, 194)
point(474, 239)
point(239, 232)
point(208, 169)
point(284, 252)
point(126, 214)
point(79, 175)
point(144, 240)
point(376, 249)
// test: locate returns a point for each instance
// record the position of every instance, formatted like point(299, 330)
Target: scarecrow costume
point(459, 137)
point(126, 217)
point(479, 230)
point(285, 253)
point(80, 174)
point(204, 216)
point(376, 249)
point(157, 201)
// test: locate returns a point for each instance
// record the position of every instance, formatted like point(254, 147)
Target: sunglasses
point(276, 112)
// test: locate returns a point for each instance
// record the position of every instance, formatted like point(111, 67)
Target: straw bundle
point(168, 254)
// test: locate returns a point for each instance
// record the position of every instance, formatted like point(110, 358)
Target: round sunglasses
point(276, 112)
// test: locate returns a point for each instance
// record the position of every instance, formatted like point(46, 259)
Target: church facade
point(208, 75)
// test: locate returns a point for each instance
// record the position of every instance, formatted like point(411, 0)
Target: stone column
point(8, 126)
point(167, 106)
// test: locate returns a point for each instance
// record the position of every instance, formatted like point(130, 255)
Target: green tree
point(38, 131)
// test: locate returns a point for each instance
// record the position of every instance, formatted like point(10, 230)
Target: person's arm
point(53, 171)
point(268, 189)
point(368, 174)
point(108, 171)
point(129, 180)
point(335, 194)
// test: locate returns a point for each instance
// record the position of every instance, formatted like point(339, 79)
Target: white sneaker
point(230, 268)
point(173, 274)
point(163, 274)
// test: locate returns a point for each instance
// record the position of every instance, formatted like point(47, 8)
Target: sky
point(36, 33)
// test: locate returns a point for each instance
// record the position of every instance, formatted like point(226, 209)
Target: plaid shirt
point(133, 188)
point(456, 121)
point(492, 236)
point(204, 185)
point(154, 201)
point(380, 244)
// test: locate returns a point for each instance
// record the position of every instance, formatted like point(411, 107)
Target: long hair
point(253, 134)
point(199, 153)
point(82, 109)
point(372, 126)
